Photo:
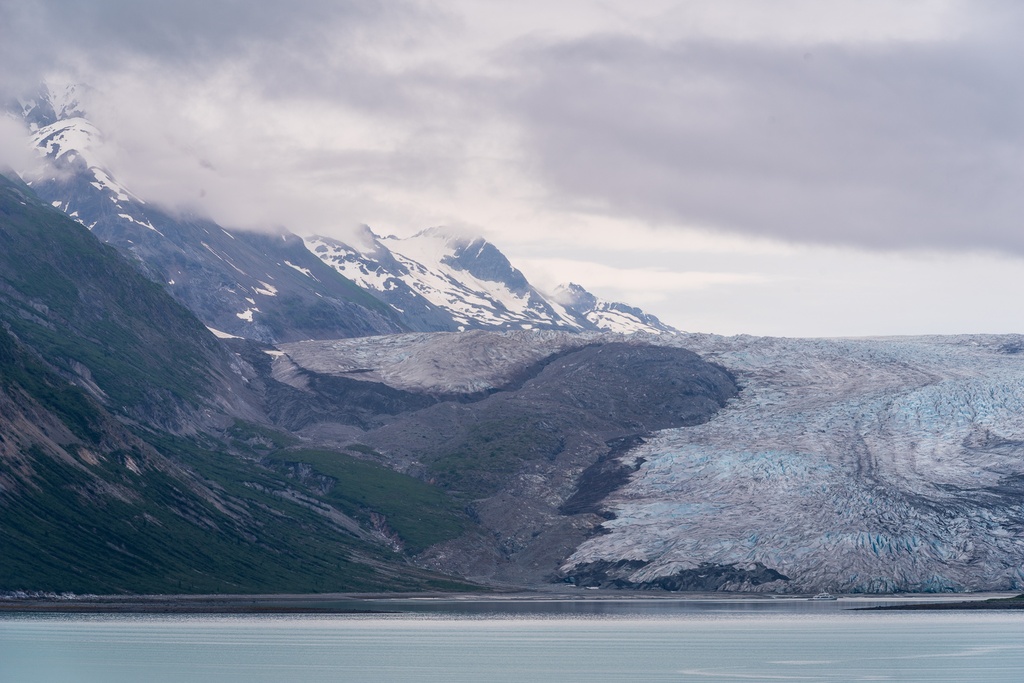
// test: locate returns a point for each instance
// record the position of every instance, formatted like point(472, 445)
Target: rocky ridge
point(276, 287)
point(440, 281)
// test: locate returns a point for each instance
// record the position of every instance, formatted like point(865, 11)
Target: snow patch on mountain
point(222, 335)
point(442, 282)
point(265, 289)
point(608, 315)
point(358, 267)
point(305, 271)
point(77, 141)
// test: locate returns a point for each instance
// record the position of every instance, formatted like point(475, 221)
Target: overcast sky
point(785, 167)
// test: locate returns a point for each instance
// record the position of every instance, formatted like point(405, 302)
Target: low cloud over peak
point(856, 130)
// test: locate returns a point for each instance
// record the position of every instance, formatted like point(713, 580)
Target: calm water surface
point(571, 641)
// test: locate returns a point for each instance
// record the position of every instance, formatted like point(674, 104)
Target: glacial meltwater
point(565, 641)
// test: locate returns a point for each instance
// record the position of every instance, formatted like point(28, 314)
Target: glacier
point(853, 465)
point(848, 465)
point(434, 362)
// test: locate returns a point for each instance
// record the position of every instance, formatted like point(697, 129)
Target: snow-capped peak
point(608, 315)
point(441, 280)
point(573, 295)
point(72, 145)
point(66, 100)
point(52, 103)
point(74, 141)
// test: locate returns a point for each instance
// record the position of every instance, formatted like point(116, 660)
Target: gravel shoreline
point(392, 603)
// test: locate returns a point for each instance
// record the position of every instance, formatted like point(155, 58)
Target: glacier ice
point(871, 465)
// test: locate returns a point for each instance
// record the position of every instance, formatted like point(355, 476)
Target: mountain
point(554, 439)
point(607, 315)
point(270, 287)
point(135, 457)
point(266, 287)
point(439, 281)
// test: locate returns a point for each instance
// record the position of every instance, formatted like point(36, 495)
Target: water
point(590, 642)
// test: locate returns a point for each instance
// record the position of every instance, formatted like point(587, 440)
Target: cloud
point(888, 145)
point(15, 153)
point(305, 114)
point(323, 49)
point(868, 123)
point(47, 33)
point(218, 145)
point(642, 284)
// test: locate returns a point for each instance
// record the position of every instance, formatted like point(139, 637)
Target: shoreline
point(1009, 603)
point(396, 603)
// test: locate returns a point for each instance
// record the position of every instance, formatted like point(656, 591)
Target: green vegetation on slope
point(18, 370)
point(491, 450)
point(249, 435)
point(76, 300)
point(419, 513)
point(98, 508)
point(108, 529)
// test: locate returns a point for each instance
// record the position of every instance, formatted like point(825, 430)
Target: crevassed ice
point(847, 465)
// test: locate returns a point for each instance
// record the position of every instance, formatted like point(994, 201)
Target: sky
point(775, 167)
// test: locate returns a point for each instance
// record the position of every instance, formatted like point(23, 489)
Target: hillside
point(127, 463)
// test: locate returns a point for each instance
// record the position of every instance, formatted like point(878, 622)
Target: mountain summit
point(440, 281)
point(259, 286)
point(278, 287)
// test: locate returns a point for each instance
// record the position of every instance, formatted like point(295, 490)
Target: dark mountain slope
point(79, 305)
point(266, 287)
point(107, 480)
